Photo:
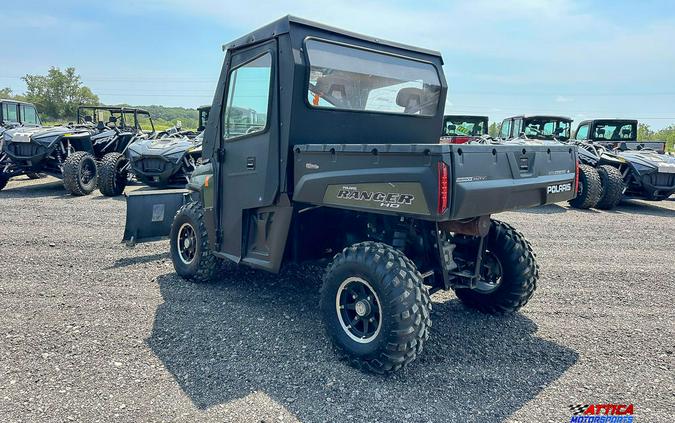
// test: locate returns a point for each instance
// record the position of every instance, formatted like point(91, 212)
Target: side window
point(506, 129)
point(517, 127)
point(9, 112)
point(248, 98)
point(28, 115)
point(582, 132)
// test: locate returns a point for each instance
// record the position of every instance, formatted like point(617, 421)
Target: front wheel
point(375, 308)
point(80, 173)
point(190, 251)
point(508, 276)
point(114, 176)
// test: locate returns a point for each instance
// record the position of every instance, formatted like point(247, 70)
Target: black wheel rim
point(490, 274)
point(359, 309)
point(186, 243)
point(87, 171)
point(121, 175)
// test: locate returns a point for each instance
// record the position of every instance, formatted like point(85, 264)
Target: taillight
point(460, 140)
point(442, 187)
point(576, 178)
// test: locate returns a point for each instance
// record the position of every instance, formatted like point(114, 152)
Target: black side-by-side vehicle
point(640, 168)
point(72, 152)
point(323, 145)
point(170, 158)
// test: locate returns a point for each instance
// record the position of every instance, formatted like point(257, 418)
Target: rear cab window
point(352, 78)
point(9, 112)
point(29, 115)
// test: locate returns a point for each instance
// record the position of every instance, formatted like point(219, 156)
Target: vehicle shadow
point(643, 207)
point(42, 188)
point(254, 331)
point(130, 261)
point(546, 209)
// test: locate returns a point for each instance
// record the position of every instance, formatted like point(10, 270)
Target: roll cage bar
point(122, 112)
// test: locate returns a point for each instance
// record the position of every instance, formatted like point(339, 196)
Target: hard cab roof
point(285, 25)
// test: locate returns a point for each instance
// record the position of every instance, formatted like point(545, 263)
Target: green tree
point(58, 93)
point(493, 130)
point(644, 132)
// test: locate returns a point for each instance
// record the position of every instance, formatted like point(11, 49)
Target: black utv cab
point(15, 113)
point(461, 129)
point(323, 146)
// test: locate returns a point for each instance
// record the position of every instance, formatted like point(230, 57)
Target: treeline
point(58, 94)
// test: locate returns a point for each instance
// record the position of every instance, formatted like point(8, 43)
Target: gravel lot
point(93, 331)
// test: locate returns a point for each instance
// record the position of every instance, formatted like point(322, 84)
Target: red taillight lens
point(576, 178)
point(460, 140)
point(442, 187)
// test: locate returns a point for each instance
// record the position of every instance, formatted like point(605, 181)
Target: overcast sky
point(578, 58)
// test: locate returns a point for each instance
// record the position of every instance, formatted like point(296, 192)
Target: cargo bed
point(482, 179)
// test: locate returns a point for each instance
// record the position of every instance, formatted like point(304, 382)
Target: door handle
point(250, 163)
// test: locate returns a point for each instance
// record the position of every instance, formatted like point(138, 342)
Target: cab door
point(249, 146)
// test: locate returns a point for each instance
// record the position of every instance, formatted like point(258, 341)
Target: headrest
point(600, 131)
point(626, 131)
point(112, 119)
point(409, 97)
point(100, 125)
point(88, 118)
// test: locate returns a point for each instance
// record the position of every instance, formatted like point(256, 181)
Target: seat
point(410, 99)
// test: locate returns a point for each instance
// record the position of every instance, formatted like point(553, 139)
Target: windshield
point(350, 78)
point(614, 131)
point(547, 128)
point(464, 125)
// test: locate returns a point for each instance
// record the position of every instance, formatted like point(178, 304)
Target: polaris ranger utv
point(461, 129)
point(338, 160)
point(71, 152)
point(641, 169)
point(541, 129)
point(170, 158)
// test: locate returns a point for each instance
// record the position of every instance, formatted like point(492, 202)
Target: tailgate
point(494, 178)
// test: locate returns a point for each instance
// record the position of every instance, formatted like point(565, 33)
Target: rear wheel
point(589, 189)
point(612, 187)
point(114, 176)
point(508, 276)
point(79, 173)
point(375, 308)
point(190, 251)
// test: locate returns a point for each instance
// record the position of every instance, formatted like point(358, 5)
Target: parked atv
point(343, 165)
point(462, 129)
point(71, 152)
point(633, 166)
point(170, 158)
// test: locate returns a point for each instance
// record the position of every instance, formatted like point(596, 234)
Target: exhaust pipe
point(476, 226)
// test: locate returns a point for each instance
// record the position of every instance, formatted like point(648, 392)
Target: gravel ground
point(93, 331)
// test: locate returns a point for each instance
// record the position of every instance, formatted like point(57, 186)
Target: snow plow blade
point(150, 214)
